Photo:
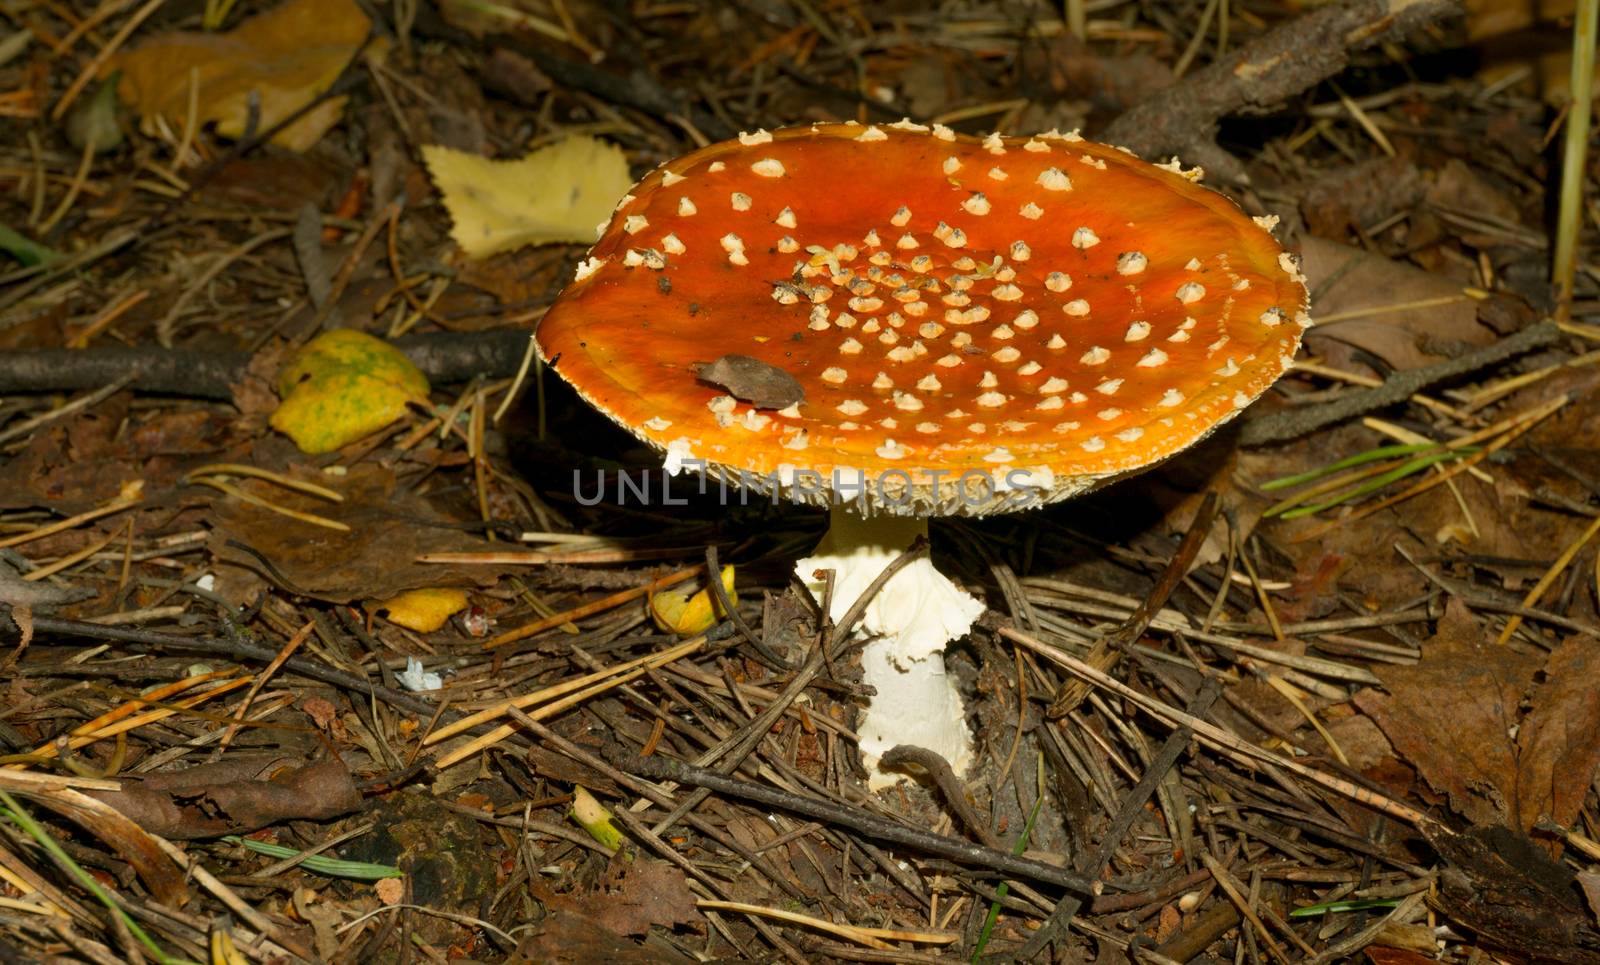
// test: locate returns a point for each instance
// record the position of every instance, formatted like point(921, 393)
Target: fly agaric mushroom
point(977, 326)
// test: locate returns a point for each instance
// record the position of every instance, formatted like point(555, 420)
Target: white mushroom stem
point(913, 616)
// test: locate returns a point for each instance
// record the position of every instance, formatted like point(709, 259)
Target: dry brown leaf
point(282, 59)
point(233, 796)
point(752, 380)
point(1360, 195)
point(388, 530)
point(1349, 280)
point(1451, 714)
point(1458, 185)
point(1362, 742)
point(567, 938)
point(1458, 716)
point(1559, 743)
point(84, 461)
point(647, 892)
point(1590, 883)
point(635, 895)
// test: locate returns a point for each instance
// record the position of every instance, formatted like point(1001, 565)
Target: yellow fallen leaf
point(678, 612)
point(285, 57)
point(343, 385)
point(560, 193)
point(423, 610)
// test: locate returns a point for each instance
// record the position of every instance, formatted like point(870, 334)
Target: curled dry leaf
point(123, 833)
point(281, 59)
point(233, 796)
point(17, 592)
point(389, 528)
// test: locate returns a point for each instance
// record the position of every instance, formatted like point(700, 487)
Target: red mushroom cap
point(948, 305)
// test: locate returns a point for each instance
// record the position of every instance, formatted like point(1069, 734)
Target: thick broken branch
point(443, 357)
point(1280, 64)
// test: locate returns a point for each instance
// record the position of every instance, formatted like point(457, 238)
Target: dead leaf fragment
point(1590, 883)
point(752, 380)
point(1405, 316)
point(1460, 187)
point(390, 890)
point(1559, 741)
point(1359, 195)
point(635, 895)
point(233, 797)
point(566, 938)
point(389, 528)
point(271, 65)
point(1451, 714)
point(1458, 716)
point(559, 193)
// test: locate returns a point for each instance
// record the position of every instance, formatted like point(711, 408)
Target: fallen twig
point(442, 357)
point(1108, 649)
point(1132, 806)
point(870, 825)
point(1217, 737)
point(1285, 424)
point(238, 650)
point(944, 777)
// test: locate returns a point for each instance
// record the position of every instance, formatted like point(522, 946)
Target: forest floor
point(1352, 715)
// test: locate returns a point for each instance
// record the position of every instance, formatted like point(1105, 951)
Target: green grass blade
point(25, 249)
point(1335, 907)
point(1359, 459)
point(321, 864)
point(994, 906)
point(1371, 485)
point(14, 812)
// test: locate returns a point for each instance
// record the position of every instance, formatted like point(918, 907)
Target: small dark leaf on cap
point(752, 380)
